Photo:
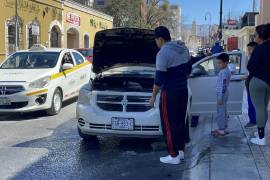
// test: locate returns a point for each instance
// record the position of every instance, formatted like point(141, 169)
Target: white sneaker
point(170, 160)
point(258, 141)
point(181, 155)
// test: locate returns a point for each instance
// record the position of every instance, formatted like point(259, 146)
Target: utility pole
point(220, 20)
point(254, 6)
point(16, 25)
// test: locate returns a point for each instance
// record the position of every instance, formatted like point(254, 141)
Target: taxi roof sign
point(37, 47)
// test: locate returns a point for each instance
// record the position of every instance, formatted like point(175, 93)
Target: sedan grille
point(14, 105)
point(123, 103)
point(9, 89)
point(136, 128)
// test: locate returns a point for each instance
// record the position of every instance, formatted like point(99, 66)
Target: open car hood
point(123, 46)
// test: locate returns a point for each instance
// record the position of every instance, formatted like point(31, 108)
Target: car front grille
point(10, 89)
point(14, 105)
point(136, 128)
point(123, 103)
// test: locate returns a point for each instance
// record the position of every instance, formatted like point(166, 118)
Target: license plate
point(5, 101)
point(119, 123)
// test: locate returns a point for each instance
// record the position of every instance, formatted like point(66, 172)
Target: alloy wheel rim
point(57, 102)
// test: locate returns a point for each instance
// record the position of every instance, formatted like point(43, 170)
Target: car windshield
point(31, 60)
point(86, 52)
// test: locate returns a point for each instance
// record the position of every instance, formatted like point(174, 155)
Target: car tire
point(87, 137)
point(57, 101)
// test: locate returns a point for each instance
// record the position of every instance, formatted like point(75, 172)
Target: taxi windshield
point(31, 60)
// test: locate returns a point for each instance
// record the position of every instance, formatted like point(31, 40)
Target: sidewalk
point(230, 157)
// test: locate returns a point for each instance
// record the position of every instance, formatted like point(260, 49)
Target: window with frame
point(100, 2)
point(78, 58)
point(67, 58)
point(210, 66)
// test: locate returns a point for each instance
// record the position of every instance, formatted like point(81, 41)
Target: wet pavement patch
point(70, 157)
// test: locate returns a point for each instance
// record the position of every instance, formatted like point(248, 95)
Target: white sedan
point(116, 101)
point(41, 79)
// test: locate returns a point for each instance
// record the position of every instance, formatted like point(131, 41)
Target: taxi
point(41, 79)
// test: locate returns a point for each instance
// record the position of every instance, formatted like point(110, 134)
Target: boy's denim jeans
point(222, 118)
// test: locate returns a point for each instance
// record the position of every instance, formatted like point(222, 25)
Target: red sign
point(73, 19)
point(231, 22)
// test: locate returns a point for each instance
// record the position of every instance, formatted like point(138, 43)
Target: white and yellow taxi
point(41, 79)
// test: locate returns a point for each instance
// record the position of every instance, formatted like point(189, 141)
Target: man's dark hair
point(263, 31)
point(224, 57)
point(162, 32)
point(252, 44)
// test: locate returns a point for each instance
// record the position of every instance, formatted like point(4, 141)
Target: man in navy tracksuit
point(173, 66)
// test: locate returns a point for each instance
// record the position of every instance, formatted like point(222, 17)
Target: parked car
point(41, 79)
point(87, 53)
point(116, 101)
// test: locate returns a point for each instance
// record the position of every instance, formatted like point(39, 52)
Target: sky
point(197, 9)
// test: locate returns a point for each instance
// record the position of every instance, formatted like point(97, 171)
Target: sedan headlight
point(85, 95)
point(40, 83)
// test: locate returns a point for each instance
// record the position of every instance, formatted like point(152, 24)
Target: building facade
point(48, 22)
point(264, 16)
point(80, 24)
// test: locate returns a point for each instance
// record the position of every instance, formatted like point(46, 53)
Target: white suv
point(116, 101)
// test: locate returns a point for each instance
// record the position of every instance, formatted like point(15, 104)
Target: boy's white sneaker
point(258, 141)
point(181, 155)
point(170, 160)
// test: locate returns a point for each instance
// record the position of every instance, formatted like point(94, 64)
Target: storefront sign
point(73, 19)
point(232, 22)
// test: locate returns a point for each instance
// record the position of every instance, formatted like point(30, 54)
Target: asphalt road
point(36, 146)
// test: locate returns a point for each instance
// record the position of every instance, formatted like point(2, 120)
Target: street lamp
point(210, 22)
point(220, 20)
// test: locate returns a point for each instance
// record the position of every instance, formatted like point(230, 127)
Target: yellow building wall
point(44, 11)
point(89, 24)
point(48, 13)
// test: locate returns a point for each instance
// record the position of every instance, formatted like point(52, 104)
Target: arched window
point(11, 35)
point(33, 33)
point(86, 41)
point(55, 37)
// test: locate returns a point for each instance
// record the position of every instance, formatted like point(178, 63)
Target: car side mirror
point(196, 72)
point(67, 66)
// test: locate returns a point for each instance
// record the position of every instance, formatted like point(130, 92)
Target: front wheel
point(56, 103)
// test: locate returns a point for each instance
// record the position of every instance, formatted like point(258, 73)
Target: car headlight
point(85, 95)
point(40, 83)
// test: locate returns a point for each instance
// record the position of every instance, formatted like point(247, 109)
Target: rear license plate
point(5, 101)
point(119, 123)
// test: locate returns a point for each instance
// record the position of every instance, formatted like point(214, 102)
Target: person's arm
point(253, 63)
point(161, 69)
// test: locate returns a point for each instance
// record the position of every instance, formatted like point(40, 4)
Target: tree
point(139, 13)
point(126, 13)
point(157, 12)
